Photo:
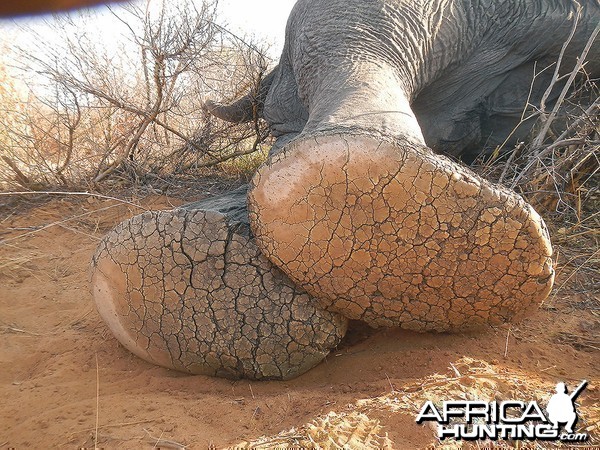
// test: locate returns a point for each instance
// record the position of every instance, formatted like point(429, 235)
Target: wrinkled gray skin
point(457, 72)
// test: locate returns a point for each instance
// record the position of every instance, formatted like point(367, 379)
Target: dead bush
point(94, 112)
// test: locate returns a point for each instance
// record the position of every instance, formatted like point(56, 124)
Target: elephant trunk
point(240, 111)
point(246, 108)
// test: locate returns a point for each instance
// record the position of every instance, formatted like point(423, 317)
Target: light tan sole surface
point(398, 236)
point(183, 290)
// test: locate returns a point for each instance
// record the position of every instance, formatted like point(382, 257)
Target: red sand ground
point(54, 346)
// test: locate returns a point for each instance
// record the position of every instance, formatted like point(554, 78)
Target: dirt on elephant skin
point(67, 383)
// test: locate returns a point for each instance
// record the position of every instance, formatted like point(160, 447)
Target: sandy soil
point(63, 374)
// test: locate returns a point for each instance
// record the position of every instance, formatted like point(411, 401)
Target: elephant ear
point(246, 108)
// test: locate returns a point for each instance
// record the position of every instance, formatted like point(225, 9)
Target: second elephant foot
point(188, 289)
point(397, 236)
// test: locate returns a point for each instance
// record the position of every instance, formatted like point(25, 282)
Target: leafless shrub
point(133, 112)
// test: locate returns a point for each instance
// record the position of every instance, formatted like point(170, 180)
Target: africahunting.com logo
point(516, 420)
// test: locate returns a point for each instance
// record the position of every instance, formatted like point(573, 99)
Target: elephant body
point(463, 70)
point(353, 216)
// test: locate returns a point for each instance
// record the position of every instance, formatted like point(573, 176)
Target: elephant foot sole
point(397, 236)
point(188, 290)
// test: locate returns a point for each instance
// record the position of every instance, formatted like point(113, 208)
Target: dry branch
point(137, 114)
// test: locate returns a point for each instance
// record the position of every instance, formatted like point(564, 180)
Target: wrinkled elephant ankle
point(394, 235)
point(188, 289)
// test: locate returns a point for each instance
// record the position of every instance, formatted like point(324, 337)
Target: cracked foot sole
point(398, 236)
point(189, 290)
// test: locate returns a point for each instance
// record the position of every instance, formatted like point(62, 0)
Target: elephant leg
point(189, 290)
point(487, 117)
point(503, 122)
point(366, 218)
